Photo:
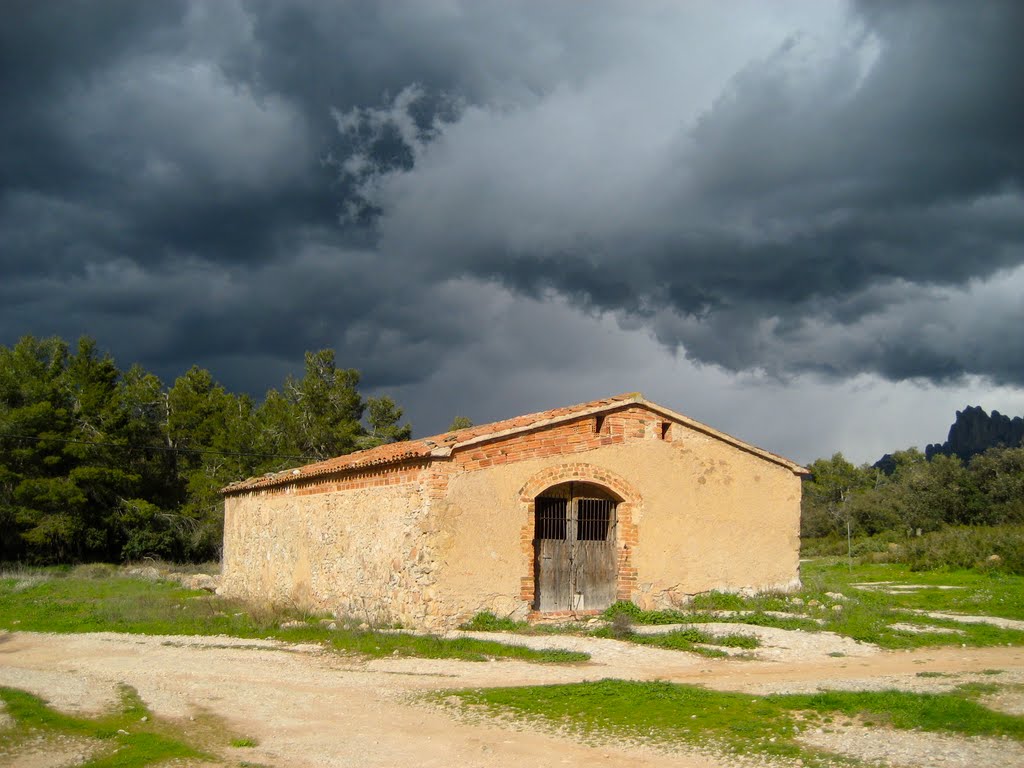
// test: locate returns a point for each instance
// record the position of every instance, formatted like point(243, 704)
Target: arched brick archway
point(626, 538)
point(579, 472)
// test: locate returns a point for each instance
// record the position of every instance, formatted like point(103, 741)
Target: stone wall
point(360, 551)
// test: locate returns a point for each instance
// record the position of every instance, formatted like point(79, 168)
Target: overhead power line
point(165, 448)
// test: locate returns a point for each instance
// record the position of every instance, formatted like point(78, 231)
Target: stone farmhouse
point(561, 512)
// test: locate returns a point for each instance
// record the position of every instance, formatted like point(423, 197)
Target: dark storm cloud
point(168, 176)
point(222, 182)
point(818, 180)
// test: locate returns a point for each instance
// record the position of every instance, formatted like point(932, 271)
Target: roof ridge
point(443, 444)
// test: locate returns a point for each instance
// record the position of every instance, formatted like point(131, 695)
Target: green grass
point(690, 639)
point(244, 742)
point(701, 611)
point(485, 621)
point(434, 647)
point(864, 615)
point(991, 594)
point(77, 600)
point(868, 615)
point(668, 713)
point(953, 712)
point(123, 738)
point(64, 602)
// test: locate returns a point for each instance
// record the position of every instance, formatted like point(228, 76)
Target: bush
point(718, 601)
point(823, 546)
point(885, 542)
point(94, 571)
point(623, 608)
point(485, 621)
point(996, 549)
point(622, 625)
point(638, 615)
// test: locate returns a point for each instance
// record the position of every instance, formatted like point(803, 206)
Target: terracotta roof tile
point(443, 444)
point(422, 447)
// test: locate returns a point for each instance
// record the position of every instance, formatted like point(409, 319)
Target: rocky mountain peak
point(975, 431)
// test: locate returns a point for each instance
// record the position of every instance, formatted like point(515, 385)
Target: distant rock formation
point(974, 431)
point(887, 464)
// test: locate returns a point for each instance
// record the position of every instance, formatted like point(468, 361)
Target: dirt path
point(308, 707)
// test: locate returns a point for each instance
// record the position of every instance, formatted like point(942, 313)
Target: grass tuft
point(485, 621)
point(122, 738)
point(669, 713)
point(690, 639)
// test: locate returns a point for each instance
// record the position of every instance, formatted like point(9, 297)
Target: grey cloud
point(829, 201)
point(817, 177)
point(324, 294)
point(900, 331)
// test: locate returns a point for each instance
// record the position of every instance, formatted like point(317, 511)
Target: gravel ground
point(995, 621)
point(903, 748)
point(309, 707)
point(52, 753)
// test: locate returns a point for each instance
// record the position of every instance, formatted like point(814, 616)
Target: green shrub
point(622, 625)
point(997, 549)
point(623, 608)
point(885, 542)
point(94, 571)
point(822, 546)
point(639, 616)
point(485, 621)
point(718, 601)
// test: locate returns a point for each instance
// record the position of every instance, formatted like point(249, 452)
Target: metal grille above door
point(552, 518)
point(594, 519)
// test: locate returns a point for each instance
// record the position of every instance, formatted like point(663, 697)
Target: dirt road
point(308, 707)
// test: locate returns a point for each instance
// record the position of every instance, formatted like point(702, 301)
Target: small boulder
point(203, 581)
point(147, 572)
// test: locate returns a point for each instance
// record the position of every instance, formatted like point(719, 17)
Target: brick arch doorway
point(575, 555)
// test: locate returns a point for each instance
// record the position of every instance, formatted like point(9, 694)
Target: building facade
point(561, 512)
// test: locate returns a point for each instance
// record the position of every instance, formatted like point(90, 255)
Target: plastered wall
point(703, 515)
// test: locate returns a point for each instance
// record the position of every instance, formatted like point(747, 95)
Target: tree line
point(100, 464)
point(913, 494)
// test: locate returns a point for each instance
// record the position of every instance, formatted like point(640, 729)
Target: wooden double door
point(575, 563)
